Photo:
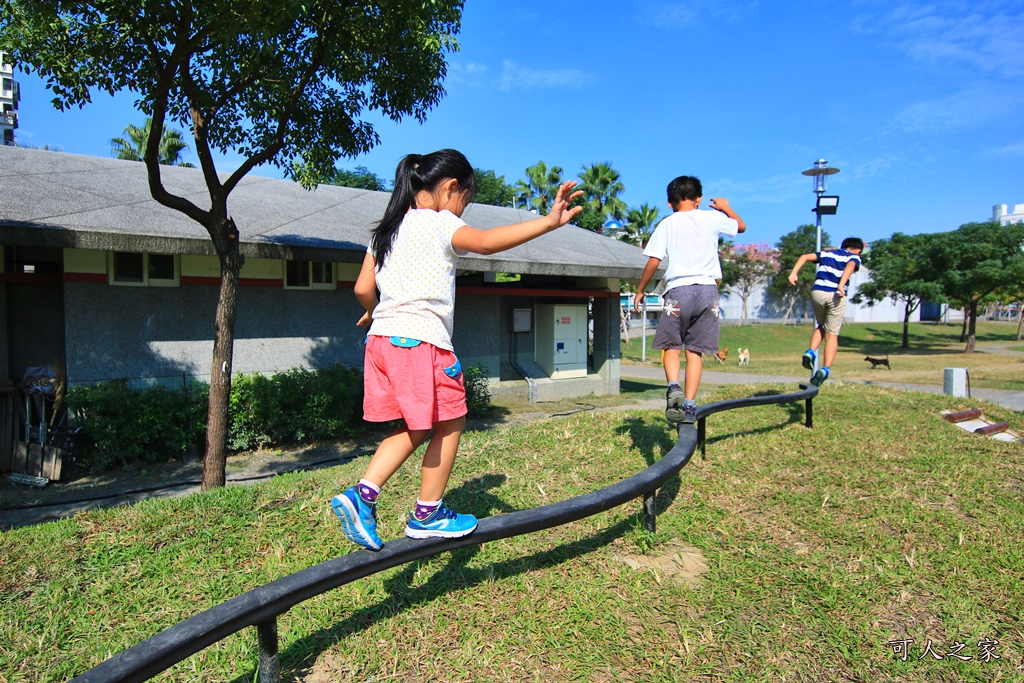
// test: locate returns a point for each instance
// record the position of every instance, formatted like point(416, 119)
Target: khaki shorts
point(829, 310)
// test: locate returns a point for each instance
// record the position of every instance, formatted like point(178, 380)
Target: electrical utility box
point(561, 340)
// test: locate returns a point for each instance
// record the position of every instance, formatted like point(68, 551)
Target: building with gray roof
point(101, 279)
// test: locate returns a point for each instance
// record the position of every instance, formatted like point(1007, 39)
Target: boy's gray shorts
point(689, 319)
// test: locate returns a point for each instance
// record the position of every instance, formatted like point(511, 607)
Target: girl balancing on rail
point(410, 370)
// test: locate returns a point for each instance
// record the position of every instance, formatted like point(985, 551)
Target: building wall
point(164, 335)
point(1001, 215)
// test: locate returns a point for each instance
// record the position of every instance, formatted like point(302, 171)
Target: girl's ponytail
point(418, 172)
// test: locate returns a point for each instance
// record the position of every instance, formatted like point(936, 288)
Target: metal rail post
point(650, 516)
point(702, 433)
point(809, 413)
point(269, 662)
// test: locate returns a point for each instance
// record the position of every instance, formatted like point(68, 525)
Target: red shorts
point(409, 383)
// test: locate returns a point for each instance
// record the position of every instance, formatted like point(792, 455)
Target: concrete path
point(1014, 400)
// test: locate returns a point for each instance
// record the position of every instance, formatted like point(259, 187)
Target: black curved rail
point(261, 606)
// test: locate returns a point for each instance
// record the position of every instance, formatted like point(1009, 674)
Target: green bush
point(122, 426)
point(295, 406)
point(478, 392)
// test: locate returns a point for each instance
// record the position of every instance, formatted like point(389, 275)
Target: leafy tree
point(602, 185)
point(900, 271)
point(491, 189)
point(640, 223)
point(132, 146)
point(589, 218)
point(360, 177)
point(275, 82)
point(746, 268)
point(1014, 294)
point(791, 247)
point(538, 190)
point(974, 261)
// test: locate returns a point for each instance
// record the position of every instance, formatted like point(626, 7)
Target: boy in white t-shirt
point(689, 320)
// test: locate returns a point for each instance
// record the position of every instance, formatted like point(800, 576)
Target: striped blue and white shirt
point(831, 264)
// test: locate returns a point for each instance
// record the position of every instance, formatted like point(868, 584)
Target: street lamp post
point(825, 204)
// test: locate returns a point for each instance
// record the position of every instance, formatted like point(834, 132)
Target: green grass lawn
point(776, 350)
point(821, 546)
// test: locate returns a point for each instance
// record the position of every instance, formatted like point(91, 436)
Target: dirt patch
point(680, 563)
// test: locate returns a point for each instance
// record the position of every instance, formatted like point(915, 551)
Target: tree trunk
point(971, 338)
point(906, 325)
point(743, 312)
point(217, 421)
point(1020, 317)
point(963, 327)
point(792, 302)
point(625, 323)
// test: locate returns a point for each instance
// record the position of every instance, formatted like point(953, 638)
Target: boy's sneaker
point(674, 400)
point(358, 518)
point(442, 523)
point(808, 359)
point(819, 377)
point(689, 413)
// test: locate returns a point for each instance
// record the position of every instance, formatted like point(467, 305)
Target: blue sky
point(920, 105)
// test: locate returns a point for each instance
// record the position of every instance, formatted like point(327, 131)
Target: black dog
point(875, 362)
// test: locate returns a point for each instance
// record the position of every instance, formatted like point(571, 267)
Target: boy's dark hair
point(684, 188)
point(852, 243)
point(417, 172)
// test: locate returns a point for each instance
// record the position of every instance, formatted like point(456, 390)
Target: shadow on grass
point(455, 576)
point(795, 410)
point(640, 389)
point(653, 440)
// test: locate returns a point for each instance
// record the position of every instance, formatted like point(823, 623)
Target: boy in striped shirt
point(828, 297)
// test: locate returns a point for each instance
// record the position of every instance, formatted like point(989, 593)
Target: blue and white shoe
point(358, 518)
point(442, 523)
point(808, 359)
point(819, 377)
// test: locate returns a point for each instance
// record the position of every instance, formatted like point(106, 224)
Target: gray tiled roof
point(58, 199)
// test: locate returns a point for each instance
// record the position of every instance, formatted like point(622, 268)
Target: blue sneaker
point(808, 359)
point(358, 518)
point(442, 523)
point(819, 377)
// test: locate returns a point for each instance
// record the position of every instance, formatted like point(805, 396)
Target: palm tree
point(133, 145)
point(601, 187)
point(640, 224)
point(540, 186)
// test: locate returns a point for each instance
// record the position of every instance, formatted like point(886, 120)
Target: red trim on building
point(85, 277)
point(242, 282)
point(560, 293)
point(31, 278)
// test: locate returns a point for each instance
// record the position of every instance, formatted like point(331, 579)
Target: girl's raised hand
point(560, 213)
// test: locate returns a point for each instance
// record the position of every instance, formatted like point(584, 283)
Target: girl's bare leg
point(439, 458)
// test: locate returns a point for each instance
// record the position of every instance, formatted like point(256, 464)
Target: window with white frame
point(299, 274)
point(143, 269)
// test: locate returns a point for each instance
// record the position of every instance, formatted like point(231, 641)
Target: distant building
point(10, 94)
point(999, 214)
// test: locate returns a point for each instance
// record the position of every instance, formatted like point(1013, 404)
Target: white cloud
point(517, 77)
point(958, 112)
point(472, 75)
point(981, 37)
point(675, 15)
point(1011, 150)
